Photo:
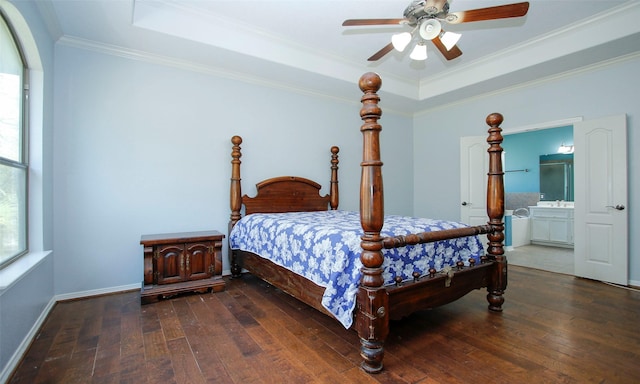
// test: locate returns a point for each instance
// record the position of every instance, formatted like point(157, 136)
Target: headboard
point(286, 194)
point(283, 193)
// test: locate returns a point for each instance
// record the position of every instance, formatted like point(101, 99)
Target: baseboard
point(26, 342)
point(96, 292)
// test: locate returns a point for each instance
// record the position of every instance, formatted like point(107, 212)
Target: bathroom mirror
point(556, 177)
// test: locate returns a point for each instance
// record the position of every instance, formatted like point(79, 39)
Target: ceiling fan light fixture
point(419, 52)
point(401, 40)
point(450, 39)
point(426, 18)
point(430, 29)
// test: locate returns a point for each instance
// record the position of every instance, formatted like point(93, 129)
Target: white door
point(474, 167)
point(600, 178)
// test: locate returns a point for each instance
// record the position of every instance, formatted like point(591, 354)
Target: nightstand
point(181, 262)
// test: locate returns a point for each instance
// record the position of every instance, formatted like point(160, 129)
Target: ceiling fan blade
point(356, 22)
point(489, 13)
point(378, 55)
point(450, 54)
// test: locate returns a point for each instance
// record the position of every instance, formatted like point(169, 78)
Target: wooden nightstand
point(181, 262)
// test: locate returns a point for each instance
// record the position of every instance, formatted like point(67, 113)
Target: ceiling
point(302, 45)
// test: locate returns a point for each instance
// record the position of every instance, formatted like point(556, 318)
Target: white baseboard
point(96, 292)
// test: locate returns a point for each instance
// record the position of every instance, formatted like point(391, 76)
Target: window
point(13, 148)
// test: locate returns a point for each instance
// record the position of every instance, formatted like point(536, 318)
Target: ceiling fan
point(426, 16)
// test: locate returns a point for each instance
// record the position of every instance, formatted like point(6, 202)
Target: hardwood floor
point(554, 329)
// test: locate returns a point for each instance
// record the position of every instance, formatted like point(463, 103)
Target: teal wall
point(523, 150)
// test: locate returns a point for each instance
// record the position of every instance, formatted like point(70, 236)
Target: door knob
point(464, 203)
point(619, 207)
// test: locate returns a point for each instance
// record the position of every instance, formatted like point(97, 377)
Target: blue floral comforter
point(325, 248)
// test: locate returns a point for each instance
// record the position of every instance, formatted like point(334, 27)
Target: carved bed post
point(372, 320)
point(333, 192)
point(495, 211)
point(235, 198)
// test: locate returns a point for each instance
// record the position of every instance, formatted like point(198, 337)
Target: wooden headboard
point(281, 194)
point(286, 194)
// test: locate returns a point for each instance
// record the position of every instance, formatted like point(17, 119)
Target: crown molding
point(617, 23)
point(132, 54)
point(535, 83)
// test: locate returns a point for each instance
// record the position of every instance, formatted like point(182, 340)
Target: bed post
point(333, 192)
point(495, 211)
point(372, 320)
point(235, 197)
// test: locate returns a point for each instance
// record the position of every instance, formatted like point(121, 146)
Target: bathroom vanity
point(552, 224)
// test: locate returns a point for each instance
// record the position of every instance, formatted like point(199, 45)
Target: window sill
point(19, 268)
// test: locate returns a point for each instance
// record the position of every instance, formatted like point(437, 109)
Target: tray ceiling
point(302, 44)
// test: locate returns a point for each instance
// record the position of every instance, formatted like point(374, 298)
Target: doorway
point(600, 228)
point(526, 163)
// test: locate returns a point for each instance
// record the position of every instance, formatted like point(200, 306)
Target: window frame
point(22, 164)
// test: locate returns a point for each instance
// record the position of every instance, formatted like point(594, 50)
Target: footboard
point(437, 288)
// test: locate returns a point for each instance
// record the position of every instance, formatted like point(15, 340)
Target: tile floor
point(552, 259)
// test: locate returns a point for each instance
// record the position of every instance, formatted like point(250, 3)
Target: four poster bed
point(380, 268)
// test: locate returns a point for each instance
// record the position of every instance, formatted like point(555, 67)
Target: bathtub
point(517, 230)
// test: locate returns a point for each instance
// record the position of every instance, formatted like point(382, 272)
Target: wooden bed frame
point(377, 304)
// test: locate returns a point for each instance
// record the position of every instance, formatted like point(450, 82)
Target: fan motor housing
point(421, 9)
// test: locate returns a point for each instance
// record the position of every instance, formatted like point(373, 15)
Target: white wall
point(603, 91)
point(143, 148)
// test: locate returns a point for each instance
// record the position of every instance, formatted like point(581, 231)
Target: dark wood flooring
point(554, 329)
